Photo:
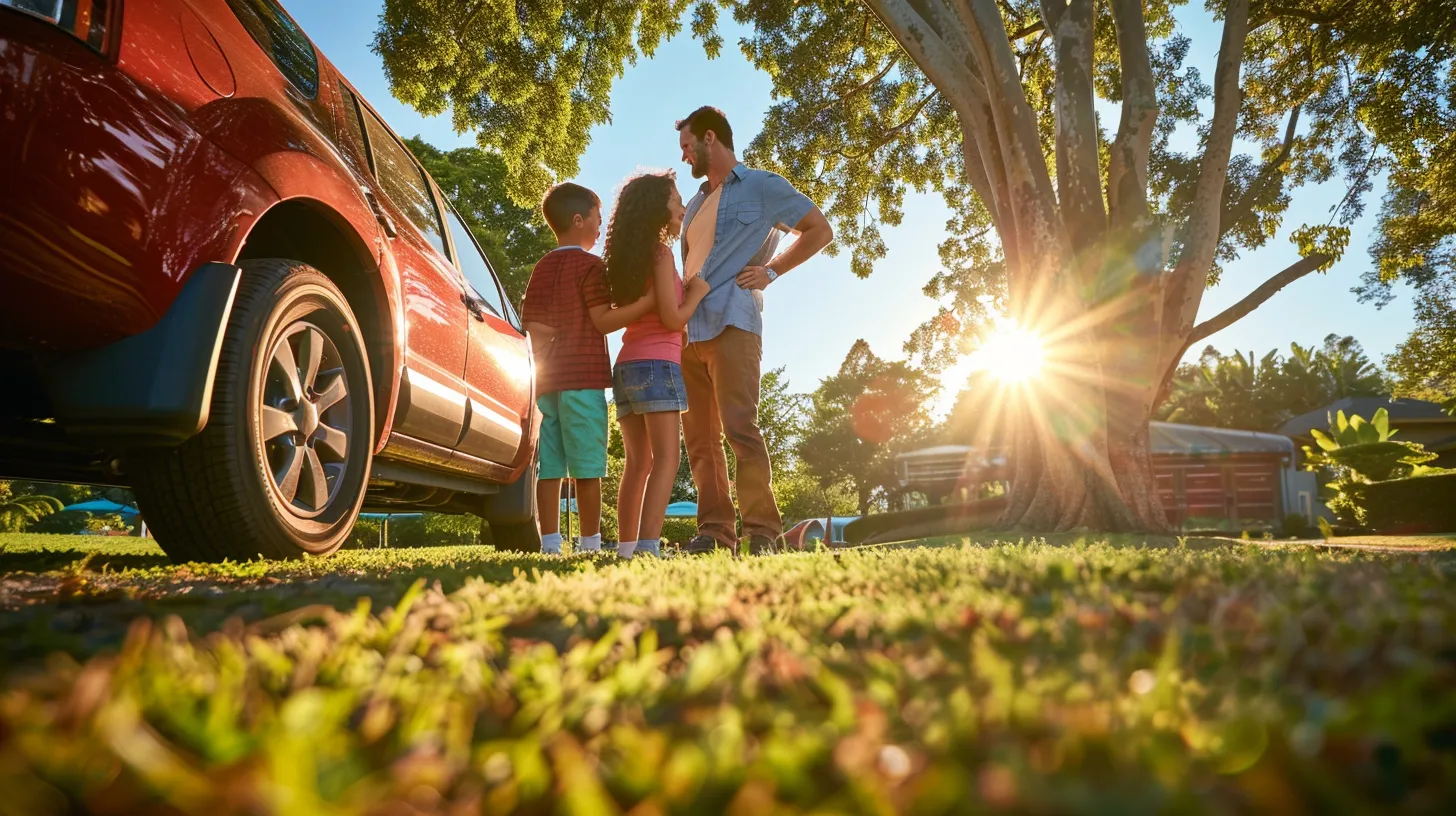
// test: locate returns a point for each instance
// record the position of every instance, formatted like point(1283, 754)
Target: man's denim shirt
point(753, 207)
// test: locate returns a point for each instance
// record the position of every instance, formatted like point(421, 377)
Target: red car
point(228, 285)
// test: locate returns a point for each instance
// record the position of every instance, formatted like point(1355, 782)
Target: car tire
point(281, 467)
point(517, 538)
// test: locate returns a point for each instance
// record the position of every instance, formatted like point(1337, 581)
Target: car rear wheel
point(281, 468)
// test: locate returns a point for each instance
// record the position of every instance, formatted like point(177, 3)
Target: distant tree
point(1239, 391)
point(781, 416)
point(1424, 366)
point(860, 418)
point(800, 495)
point(513, 237)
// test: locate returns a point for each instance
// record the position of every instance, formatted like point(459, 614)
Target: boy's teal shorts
point(573, 434)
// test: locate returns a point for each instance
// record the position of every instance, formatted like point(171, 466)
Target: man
point(736, 215)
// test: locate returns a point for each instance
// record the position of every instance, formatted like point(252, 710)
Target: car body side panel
point(88, 207)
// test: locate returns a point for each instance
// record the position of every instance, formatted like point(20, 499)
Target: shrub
point(1418, 504)
point(679, 530)
point(1360, 453)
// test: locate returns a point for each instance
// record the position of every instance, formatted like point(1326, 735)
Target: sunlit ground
point(1065, 675)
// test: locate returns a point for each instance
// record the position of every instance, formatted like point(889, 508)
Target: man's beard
point(700, 161)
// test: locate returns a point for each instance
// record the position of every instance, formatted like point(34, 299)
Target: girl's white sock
point(551, 543)
point(651, 546)
point(625, 548)
point(591, 543)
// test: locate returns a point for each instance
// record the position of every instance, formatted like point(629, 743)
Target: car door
point(497, 361)
point(432, 402)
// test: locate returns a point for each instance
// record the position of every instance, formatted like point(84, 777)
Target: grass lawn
point(956, 676)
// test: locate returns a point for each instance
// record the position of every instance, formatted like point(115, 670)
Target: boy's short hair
point(705, 119)
point(566, 200)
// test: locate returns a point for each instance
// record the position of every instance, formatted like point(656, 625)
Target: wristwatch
point(772, 275)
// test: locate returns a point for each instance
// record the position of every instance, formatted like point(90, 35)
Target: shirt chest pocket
point(748, 213)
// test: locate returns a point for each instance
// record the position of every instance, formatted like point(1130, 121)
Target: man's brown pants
point(722, 377)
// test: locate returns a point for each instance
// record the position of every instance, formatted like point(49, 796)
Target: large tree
point(1103, 240)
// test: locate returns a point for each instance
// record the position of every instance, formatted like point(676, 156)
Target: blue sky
point(813, 315)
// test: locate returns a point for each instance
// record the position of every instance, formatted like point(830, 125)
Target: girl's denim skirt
point(648, 387)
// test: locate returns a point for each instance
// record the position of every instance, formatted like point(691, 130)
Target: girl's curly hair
point(638, 228)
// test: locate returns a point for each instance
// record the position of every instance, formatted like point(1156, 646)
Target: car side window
point(473, 264)
point(282, 40)
point(351, 125)
point(403, 181)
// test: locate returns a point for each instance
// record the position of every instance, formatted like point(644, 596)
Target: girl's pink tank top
point(647, 339)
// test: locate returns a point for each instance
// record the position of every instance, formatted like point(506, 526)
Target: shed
point(1207, 477)
point(1220, 477)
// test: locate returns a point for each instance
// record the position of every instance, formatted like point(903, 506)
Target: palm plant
point(18, 511)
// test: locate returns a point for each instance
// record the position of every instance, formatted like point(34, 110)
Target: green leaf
point(1364, 431)
point(1381, 422)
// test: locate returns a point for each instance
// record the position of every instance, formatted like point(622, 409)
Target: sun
point(1011, 354)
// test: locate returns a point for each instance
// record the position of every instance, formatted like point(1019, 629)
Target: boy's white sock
point(551, 544)
point(651, 546)
point(625, 548)
point(591, 543)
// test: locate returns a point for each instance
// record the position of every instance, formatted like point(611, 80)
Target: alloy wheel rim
point(304, 420)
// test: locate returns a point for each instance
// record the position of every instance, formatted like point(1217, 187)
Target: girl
point(647, 384)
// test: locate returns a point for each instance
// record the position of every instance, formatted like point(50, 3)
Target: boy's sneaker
point(702, 545)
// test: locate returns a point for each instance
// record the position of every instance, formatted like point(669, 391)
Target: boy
point(567, 312)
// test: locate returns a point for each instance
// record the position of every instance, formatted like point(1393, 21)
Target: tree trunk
point(1099, 478)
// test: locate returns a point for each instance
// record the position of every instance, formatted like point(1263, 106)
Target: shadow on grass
point(58, 601)
point(49, 560)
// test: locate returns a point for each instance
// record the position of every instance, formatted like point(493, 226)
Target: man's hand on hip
point(753, 277)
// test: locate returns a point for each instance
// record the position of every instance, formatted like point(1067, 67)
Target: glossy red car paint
point(123, 172)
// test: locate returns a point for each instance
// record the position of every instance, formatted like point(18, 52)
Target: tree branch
point(1236, 211)
point(1190, 277)
point(957, 83)
point(926, 48)
point(1034, 203)
point(890, 134)
point(1254, 299)
point(860, 88)
point(1127, 171)
point(1026, 31)
point(1079, 186)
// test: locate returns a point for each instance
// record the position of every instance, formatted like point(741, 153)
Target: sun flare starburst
point(1010, 353)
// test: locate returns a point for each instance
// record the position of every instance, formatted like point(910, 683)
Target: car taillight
point(87, 19)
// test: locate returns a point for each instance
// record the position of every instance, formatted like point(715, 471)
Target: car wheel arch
point(310, 231)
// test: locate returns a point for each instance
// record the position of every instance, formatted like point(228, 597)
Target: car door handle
point(379, 214)
point(477, 310)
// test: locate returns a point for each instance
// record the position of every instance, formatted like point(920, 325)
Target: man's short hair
point(705, 119)
point(566, 200)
